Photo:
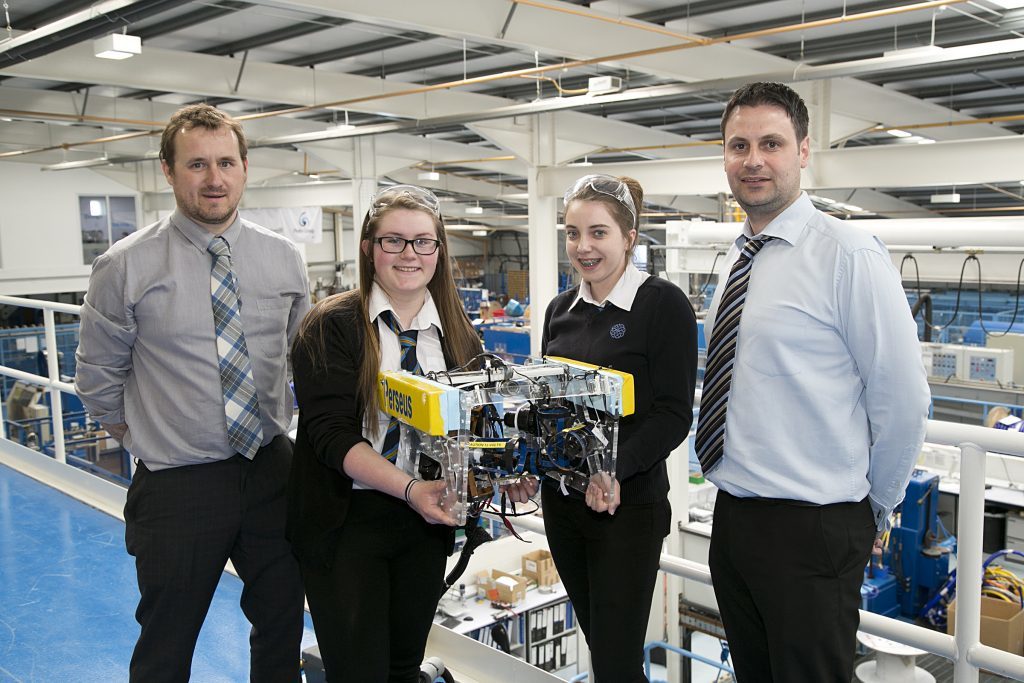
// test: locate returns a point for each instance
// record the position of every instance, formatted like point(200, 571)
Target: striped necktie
point(709, 441)
point(407, 339)
point(241, 406)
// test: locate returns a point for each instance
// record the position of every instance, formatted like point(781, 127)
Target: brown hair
point(773, 94)
point(619, 211)
point(199, 116)
point(459, 341)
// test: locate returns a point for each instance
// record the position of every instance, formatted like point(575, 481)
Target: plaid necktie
point(709, 441)
point(408, 341)
point(241, 407)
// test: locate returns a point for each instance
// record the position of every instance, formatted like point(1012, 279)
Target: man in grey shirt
point(183, 357)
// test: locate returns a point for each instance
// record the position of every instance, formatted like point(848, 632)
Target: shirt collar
point(789, 225)
point(200, 236)
point(622, 294)
point(427, 316)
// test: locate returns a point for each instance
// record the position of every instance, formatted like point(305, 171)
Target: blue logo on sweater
point(618, 331)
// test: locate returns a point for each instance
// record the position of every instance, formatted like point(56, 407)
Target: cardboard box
point(503, 587)
point(1002, 624)
point(539, 566)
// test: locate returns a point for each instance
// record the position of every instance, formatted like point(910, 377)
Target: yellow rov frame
point(434, 407)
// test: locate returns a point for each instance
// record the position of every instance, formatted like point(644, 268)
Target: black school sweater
point(656, 342)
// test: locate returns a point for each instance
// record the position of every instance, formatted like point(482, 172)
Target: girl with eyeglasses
point(371, 539)
point(606, 543)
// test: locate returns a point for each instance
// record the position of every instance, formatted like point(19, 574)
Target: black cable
point(959, 290)
point(711, 273)
point(1016, 305)
point(917, 272)
point(476, 536)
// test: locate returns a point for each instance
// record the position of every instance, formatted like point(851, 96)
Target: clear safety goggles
point(606, 185)
point(418, 195)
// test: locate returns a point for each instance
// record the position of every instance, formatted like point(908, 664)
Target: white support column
point(969, 558)
point(821, 119)
point(543, 231)
point(56, 401)
point(364, 185)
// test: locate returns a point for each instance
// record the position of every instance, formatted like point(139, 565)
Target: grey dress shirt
point(148, 351)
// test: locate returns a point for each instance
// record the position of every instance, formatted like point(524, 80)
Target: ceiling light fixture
point(1008, 4)
point(428, 175)
point(949, 198)
point(117, 46)
point(897, 133)
point(602, 85)
point(480, 233)
point(474, 210)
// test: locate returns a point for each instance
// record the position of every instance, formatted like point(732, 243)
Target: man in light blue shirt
point(825, 412)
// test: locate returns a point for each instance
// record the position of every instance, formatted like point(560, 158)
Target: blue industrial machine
point(915, 560)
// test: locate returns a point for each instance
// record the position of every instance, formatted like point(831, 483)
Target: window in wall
point(104, 221)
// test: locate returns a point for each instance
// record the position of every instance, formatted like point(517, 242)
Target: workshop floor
point(68, 596)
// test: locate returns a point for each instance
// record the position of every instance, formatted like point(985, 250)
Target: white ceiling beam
point(960, 162)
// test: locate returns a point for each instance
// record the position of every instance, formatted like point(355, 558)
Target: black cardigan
point(330, 424)
point(656, 342)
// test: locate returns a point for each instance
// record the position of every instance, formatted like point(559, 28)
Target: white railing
point(964, 649)
point(52, 383)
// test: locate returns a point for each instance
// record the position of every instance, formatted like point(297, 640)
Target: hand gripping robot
point(481, 429)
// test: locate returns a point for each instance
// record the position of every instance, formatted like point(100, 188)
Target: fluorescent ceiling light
point(480, 233)
point(1008, 4)
point(117, 46)
point(897, 133)
point(851, 207)
point(474, 210)
point(950, 198)
point(428, 175)
point(514, 195)
point(910, 51)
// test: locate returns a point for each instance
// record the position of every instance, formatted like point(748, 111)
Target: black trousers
point(182, 525)
point(609, 567)
point(787, 579)
point(372, 609)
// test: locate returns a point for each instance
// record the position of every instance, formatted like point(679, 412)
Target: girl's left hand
point(603, 493)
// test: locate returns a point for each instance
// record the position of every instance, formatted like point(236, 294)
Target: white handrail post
point(56, 401)
point(968, 563)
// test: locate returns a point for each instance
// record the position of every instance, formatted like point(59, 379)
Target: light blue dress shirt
point(829, 398)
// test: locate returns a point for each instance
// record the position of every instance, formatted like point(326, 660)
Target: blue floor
point(68, 595)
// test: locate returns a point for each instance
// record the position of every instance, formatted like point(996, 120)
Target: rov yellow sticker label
point(428, 406)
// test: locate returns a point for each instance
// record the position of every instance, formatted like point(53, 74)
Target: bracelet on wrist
point(408, 490)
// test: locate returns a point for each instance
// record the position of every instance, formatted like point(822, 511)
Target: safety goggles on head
point(417, 195)
point(606, 185)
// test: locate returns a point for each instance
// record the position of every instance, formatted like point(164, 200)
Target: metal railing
point(52, 383)
point(964, 649)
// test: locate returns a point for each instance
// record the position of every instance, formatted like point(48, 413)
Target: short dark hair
point(199, 116)
point(774, 94)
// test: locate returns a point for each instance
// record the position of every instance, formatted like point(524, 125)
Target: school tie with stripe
point(407, 339)
point(709, 441)
point(241, 406)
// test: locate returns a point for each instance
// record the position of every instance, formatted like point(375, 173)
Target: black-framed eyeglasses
point(424, 246)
